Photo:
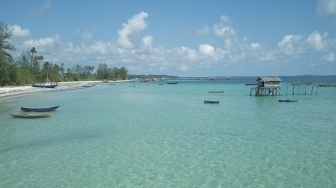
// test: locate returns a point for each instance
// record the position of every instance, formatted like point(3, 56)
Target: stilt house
point(267, 85)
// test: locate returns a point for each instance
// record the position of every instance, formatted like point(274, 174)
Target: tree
point(47, 66)
point(5, 57)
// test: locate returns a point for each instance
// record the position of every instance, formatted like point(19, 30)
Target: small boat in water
point(30, 115)
point(172, 82)
point(210, 102)
point(216, 91)
point(48, 109)
point(287, 100)
point(327, 85)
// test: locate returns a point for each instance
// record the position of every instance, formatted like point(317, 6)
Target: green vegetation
point(27, 68)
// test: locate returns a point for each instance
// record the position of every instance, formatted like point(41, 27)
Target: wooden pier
point(271, 86)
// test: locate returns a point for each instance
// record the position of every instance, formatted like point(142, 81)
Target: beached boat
point(216, 91)
point(210, 102)
point(45, 85)
point(48, 109)
point(287, 100)
point(327, 85)
point(30, 115)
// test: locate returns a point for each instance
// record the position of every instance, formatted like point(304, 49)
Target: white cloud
point(147, 42)
point(206, 49)
point(222, 29)
point(326, 7)
point(316, 40)
point(18, 32)
point(330, 57)
point(255, 46)
point(290, 44)
point(42, 42)
point(134, 25)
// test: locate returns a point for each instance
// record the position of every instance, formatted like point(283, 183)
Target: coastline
point(9, 92)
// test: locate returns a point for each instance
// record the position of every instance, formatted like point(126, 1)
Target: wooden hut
point(267, 85)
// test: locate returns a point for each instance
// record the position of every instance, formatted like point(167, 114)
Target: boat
point(302, 83)
point(216, 91)
point(287, 100)
point(45, 85)
point(49, 109)
point(251, 84)
point(30, 115)
point(210, 102)
point(172, 82)
point(327, 85)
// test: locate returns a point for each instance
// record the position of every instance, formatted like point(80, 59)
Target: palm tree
point(47, 66)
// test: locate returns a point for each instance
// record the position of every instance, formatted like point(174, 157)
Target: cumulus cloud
point(326, 7)
point(223, 28)
point(317, 41)
point(134, 25)
point(291, 44)
point(147, 42)
point(47, 41)
point(206, 49)
point(18, 32)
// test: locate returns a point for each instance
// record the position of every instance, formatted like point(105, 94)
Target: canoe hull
point(211, 102)
point(31, 116)
point(287, 100)
point(49, 109)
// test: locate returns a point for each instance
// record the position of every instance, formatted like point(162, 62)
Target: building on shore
point(267, 86)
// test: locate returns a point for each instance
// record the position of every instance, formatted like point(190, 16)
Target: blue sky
point(180, 37)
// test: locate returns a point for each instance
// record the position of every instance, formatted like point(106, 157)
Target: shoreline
point(10, 92)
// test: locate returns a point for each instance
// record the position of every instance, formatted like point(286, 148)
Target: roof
point(269, 79)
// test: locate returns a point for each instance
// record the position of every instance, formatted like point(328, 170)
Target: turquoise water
point(156, 135)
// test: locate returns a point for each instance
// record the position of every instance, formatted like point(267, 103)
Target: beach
point(15, 91)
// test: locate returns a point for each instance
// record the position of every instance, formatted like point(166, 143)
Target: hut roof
point(269, 79)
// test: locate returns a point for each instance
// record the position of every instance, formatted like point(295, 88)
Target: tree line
point(30, 67)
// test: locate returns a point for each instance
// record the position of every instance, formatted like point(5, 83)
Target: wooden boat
point(45, 85)
point(49, 109)
point(327, 85)
point(30, 115)
point(251, 84)
point(210, 102)
point(302, 83)
point(287, 100)
point(172, 82)
point(216, 91)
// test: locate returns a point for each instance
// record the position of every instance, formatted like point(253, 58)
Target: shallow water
point(156, 135)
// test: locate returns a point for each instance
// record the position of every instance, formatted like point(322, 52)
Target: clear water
point(165, 136)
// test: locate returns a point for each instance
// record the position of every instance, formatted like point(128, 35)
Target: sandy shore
point(17, 91)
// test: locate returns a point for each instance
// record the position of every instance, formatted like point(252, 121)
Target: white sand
point(13, 91)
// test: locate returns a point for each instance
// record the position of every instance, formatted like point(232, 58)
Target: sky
point(179, 37)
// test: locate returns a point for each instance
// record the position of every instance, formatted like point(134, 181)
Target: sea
point(155, 134)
